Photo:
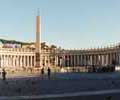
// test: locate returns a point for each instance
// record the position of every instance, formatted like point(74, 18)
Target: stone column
point(87, 59)
point(34, 61)
point(114, 56)
point(94, 60)
point(74, 61)
point(97, 59)
point(104, 61)
point(8, 60)
point(0, 60)
point(30, 61)
point(10, 64)
point(17, 61)
point(5, 62)
point(107, 59)
point(90, 59)
point(78, 60)
point(110, 58)
point(70, 62)
point(119, 58)
point(13, 61)
point(21, 63)
point(83, 59)
point(24, 60)
point(67, 59)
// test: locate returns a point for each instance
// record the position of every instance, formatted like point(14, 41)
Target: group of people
point(3, 73)
point(48, 72)
point(108, 68)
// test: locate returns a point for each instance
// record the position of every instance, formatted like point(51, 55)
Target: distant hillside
point(4, 41)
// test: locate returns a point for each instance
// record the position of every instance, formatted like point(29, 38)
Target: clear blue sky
point(65, 23)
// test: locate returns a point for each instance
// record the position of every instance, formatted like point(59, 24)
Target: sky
point(70, 24)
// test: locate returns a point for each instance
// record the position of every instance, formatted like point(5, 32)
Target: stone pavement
point(60, 83)
point(87, 95)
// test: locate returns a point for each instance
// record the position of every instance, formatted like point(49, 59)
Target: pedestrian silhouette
point(4, 74)
point(42, 72)
point(49, 72)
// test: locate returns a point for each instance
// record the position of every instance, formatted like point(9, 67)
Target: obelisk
point(38, 43)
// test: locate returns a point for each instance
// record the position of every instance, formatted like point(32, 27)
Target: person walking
point(42, 72)
point(4, 74)
point(49, 72)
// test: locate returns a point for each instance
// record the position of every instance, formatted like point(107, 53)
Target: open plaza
point(34, 86)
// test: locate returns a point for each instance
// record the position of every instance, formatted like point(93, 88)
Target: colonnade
point(17, 61)
point(89, 59)
point(27, 58)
